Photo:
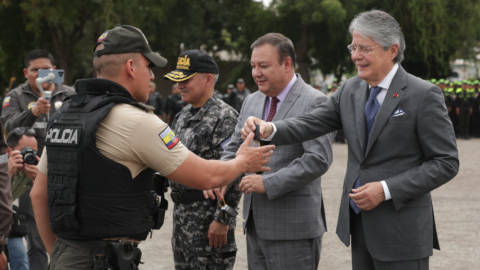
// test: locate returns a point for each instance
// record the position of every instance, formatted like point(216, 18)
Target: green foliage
point(436, 31)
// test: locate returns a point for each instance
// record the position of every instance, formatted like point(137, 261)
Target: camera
point(29, 155)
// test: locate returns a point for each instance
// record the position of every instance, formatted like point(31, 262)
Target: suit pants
point(266, 254)
point(363, 260)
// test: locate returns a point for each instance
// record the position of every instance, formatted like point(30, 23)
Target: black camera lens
point(29, 155)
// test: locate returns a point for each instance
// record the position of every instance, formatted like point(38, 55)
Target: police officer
point(174, 104)
point(464, 110)
point(5, 200)
point(226, 96)
point(475, 120)
point(155, 99)
point(25, 106)
point(203, 237)
point(238, 95)
point(102, 148)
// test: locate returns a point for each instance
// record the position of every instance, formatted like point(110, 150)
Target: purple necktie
point(273, 109)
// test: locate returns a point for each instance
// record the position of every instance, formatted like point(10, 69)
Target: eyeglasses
point(363, 49)
point(19, 131)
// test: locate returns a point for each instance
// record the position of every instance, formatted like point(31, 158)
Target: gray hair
point(215, 77)
point(380, 27)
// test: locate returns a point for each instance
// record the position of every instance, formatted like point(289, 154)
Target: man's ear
point(210, 80)
point(393, 51)
point(288, 64)
point(130, 69)
point(9, 151)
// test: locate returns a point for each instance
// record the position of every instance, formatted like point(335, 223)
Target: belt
point(188, 197)
point(87, 246)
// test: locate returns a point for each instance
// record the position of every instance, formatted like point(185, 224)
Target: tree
point(435, 30)
point(299, 20)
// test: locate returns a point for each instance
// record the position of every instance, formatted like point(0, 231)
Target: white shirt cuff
point(269, 138)
point(388, 196)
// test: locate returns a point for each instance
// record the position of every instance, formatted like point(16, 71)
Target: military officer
point(203, 237)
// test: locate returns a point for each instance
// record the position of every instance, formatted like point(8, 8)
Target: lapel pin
point(395, 95)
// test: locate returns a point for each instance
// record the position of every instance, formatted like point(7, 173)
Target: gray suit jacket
point(292, 206)
point(414, 153)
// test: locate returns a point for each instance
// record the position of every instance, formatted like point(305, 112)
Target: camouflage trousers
point(216, 261)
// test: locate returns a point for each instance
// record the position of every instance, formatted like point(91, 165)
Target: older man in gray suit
point(283, 207)
point(401, 146)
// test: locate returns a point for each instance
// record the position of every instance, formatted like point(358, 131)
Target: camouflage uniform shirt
point(206, 134)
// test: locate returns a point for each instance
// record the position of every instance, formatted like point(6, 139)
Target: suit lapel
point(259, 106)
point(360, 121)
point(389, 105)
point(289, 100)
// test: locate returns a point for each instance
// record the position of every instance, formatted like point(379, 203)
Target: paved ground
point(457, 213)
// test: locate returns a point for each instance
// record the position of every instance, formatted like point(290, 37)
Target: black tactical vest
point(89, 195)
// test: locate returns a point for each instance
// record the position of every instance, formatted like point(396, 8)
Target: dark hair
point(36, 54)
point(283, 44)
point(16, 134)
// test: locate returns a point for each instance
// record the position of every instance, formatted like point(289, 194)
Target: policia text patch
point(63, 136)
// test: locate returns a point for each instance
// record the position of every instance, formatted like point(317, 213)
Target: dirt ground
point(456, 206)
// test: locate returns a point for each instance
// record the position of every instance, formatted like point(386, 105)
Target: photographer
point(22, 168)
point(25, 106)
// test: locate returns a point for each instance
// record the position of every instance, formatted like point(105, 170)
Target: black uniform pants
point(464, 121)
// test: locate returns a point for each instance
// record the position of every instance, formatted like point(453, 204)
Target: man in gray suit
point(283, 207)
point(401, 146)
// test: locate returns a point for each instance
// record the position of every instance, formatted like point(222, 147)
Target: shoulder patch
point(169, 138)
point(58, 104)
point(31, 104)
point(6, 102)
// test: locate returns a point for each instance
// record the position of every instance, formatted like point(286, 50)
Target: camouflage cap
point(127, 39)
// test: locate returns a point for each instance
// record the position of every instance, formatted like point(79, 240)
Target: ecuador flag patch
point(169, 138)
point(6, 102)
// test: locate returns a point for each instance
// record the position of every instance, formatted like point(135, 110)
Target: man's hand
point(42, 107)
point(220, 192)
point(252, 183)
point(458, 111)
point(15, 163)
point(31, 170)
point(368, 196)
point(254, 158)
point(217, 234)
point(3, 261)
point(266, 128)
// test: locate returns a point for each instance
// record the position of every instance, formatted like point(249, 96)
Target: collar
point(285, 90)
point(199, 115)
point(387, 81)
point(100, 87)
point(28, 89)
